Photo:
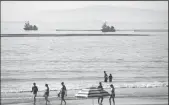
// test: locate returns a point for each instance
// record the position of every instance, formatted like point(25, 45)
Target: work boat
point(106, 28)
point(30, 27)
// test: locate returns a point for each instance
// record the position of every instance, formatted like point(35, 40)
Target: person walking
point(63, 93)
point(46, 94)
point(101, 97)
point(34, 90)
point(112, 95)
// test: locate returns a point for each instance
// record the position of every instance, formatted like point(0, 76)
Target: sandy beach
point(119, 101)
point(124, 96)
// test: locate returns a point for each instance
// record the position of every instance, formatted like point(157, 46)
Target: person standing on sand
point(34, 90)
point(105, 76)
point(101, 88)
point(63, 93)
point(46, 94)
point(112, 95)
point(110, 78)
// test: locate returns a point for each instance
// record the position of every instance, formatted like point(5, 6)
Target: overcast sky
point(11, 10)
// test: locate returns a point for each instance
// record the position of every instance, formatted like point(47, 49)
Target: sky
point(21, 10)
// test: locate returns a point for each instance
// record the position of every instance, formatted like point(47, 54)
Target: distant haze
point(103, 13)
point(85, 11)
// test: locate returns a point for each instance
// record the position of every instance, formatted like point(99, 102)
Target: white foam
point(105, 85)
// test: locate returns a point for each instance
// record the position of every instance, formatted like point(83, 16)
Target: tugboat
point(30, 27)
point(106, 28)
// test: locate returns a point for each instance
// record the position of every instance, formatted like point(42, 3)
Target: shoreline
point(62, 35)
point(148, 94)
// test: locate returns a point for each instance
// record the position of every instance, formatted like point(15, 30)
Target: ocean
point(133, 61)
point(8, 27)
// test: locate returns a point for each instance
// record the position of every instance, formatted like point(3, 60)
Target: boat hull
point(108, 30)
point(31, 29)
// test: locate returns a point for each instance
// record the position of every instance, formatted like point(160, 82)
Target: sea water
point(133, 61)
point(50, 27)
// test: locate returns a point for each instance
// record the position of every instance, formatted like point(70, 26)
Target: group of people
point(106, 77)
point(62, 93)
point(112, 94)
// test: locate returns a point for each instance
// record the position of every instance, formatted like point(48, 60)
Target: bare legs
point(34, 97)
point(47, 100)
point(99, 100)
point(112, 100)
point(63, 99)
point(34, 100)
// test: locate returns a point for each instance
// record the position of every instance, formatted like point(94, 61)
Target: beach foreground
point(132, 96)
point(119, 101)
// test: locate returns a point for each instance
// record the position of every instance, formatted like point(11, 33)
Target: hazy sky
point(15, 10)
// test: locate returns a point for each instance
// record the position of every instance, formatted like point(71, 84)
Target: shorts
point(112, 95)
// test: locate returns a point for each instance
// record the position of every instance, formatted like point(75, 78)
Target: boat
point(30, 27)
point(106, 28)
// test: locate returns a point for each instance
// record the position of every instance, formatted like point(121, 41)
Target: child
point(110, 78)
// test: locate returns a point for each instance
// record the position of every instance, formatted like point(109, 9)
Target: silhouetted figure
point(34, 90)
point(112, 95)
point(110, 78)
point(105, 76)
point(101, 97)
point(63, 93)
point(46, 95)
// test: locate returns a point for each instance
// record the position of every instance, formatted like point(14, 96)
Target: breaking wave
point(106, 86)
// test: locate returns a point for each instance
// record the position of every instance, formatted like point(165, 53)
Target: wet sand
point(124, 96)
point(119, 101)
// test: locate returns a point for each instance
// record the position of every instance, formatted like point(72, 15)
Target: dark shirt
point(63, 89)
point(47, 91)
point(34, 89)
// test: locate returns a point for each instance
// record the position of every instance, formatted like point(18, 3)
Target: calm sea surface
point(134, 61)
point(50, 27)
